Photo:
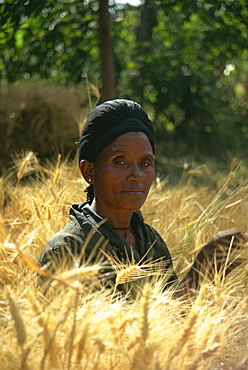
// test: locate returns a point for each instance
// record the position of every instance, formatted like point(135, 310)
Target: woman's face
point(123, 172)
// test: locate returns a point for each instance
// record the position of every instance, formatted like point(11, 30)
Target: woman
point(116, 158)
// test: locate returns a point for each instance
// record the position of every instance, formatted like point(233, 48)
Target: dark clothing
point(83, 240)
point(108, 121)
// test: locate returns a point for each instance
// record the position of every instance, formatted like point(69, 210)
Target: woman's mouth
point(133, 192)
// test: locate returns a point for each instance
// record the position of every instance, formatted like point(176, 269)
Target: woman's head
point(116, 154)
point(108, 121)
point(122, 173)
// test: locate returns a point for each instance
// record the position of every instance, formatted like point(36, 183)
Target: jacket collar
point(85, 215)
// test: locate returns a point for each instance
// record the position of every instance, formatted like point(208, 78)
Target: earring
point(89, 180)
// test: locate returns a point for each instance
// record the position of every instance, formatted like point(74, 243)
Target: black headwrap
point(108, 121)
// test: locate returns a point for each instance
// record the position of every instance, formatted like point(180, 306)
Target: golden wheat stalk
point(26, 166)
point(2, 195)
point(19, 324)
point(188, 327)
point(144, 323)
point(50, 345)
point(73, 331)
point(58, 169)
point(128, 274)
point(81, 273)
point(82, 342)
point(7, 274)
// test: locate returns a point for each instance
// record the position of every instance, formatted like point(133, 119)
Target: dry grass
point(39, 117)
point(87, 329)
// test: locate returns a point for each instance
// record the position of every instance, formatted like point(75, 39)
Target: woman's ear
point(86, 168)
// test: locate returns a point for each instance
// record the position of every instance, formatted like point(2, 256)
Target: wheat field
point(79, 327)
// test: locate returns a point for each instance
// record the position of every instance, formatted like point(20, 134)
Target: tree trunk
point(147, 21)
point(106, 53)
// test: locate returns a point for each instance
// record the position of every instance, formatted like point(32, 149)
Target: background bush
point(43, 118)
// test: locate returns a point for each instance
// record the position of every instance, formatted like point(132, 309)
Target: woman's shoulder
point(71, 231)
point(157, 241)
point(65, 239)
point(154, 234)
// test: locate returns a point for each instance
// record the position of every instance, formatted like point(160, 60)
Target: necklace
point(121, 228)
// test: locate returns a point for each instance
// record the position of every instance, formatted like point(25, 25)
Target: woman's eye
point(145, 164)
point(119, 163)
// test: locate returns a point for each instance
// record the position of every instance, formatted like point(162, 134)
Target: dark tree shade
point(106, 53)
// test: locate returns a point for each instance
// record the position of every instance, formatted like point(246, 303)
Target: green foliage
point(185, 61)
point(188, 72)
point(48, 39)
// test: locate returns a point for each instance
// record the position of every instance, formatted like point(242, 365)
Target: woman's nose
point(135, 173)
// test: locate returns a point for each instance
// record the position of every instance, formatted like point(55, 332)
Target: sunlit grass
point(81, 326)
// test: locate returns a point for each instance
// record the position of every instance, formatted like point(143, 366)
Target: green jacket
point(88, 239)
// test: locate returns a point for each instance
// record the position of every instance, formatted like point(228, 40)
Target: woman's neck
point(120, 221)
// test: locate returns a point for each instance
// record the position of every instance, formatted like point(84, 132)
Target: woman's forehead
point(129, 139)
point(129, 142)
